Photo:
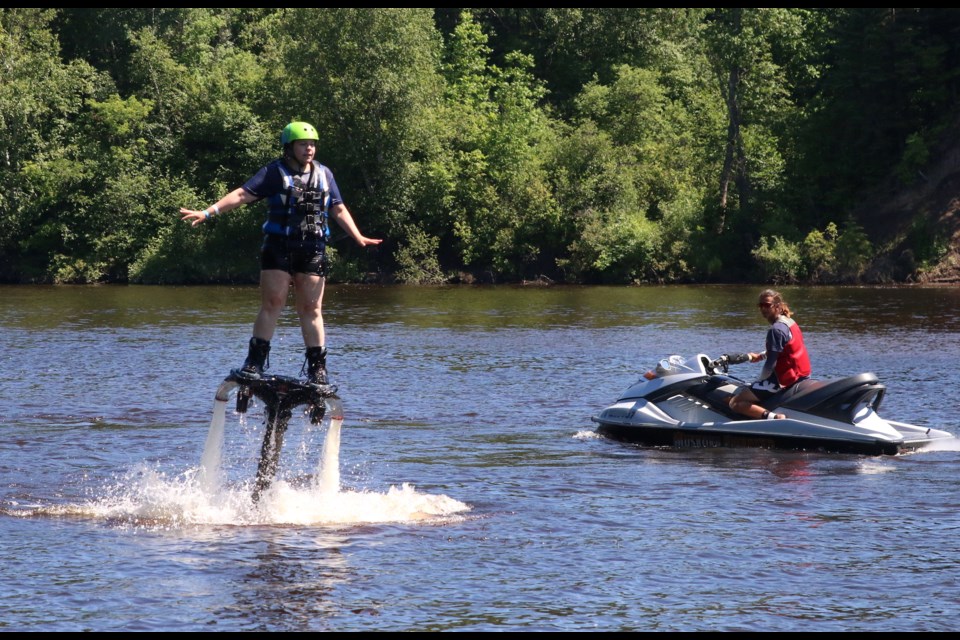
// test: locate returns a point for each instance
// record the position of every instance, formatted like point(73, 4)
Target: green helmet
point(298, 131)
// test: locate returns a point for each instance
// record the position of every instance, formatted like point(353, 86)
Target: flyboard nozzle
point(223, 391)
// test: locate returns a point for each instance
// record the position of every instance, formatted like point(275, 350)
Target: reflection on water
point(841, 309)
point(292, 587)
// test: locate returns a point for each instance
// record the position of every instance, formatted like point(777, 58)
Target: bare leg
point(274, 288)
point(745, 403)
point(309, 300)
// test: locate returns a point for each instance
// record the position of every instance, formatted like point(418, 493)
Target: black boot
point(256, 362)
point(316, 365)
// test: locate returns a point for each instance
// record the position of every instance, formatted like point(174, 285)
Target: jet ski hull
point(685, 407)
point(699, 438)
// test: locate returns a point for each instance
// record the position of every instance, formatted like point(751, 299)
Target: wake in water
point(201, 496)
point(947, 444)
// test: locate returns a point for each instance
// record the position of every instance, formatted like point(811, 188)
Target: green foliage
point(368, 80)
point(226, 249)
point(827, 256)
point(780, 261)
point(39, 98)
point(571, 45)
point(888, 88)
point(632, 152)
point(819, 253)
point(916, 156)
point(341, 270)
point(748, 52)
point(618, 248)
point(589, 170)
point(88, 229)
point(928, 242)
point(499, 209)
point(417, 259)
point(644, 144)
point(853, 253)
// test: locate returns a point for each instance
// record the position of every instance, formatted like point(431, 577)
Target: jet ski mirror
point(668, 367)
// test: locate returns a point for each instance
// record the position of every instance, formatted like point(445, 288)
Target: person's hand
point(757, 357)
point(364, 241)
point(193, 217)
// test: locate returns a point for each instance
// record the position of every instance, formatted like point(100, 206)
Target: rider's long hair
point(777, 298)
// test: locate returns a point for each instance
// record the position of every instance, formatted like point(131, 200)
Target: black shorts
point(293, 257)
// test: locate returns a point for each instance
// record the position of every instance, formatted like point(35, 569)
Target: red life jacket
point(793, 363)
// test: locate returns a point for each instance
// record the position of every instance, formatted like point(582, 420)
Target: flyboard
point(279, 395)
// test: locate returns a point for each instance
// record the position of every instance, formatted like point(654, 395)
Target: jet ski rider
point(787, 361)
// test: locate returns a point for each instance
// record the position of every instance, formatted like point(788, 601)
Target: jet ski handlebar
point(721, 364)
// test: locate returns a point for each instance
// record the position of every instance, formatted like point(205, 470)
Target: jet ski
point(684, 402)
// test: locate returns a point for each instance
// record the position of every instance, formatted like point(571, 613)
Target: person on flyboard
point(301, 196)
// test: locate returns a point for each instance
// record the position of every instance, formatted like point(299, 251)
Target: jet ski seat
point(810, 395)
point(841, 399)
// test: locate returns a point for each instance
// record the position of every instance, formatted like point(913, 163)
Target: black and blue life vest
point(300, 210)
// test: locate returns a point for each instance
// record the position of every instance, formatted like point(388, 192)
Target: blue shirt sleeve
point(777, 336)
point(265, 182)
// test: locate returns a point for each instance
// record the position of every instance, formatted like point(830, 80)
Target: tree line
point(492, 145)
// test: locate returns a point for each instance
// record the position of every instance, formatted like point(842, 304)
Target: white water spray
point(328, 476)
point(210, 480)
point(207, 497)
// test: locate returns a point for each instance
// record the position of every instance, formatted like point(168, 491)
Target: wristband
point(766, 414)
point(206, 214)
point(216, 211)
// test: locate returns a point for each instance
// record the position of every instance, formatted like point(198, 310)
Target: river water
point(471, 491)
